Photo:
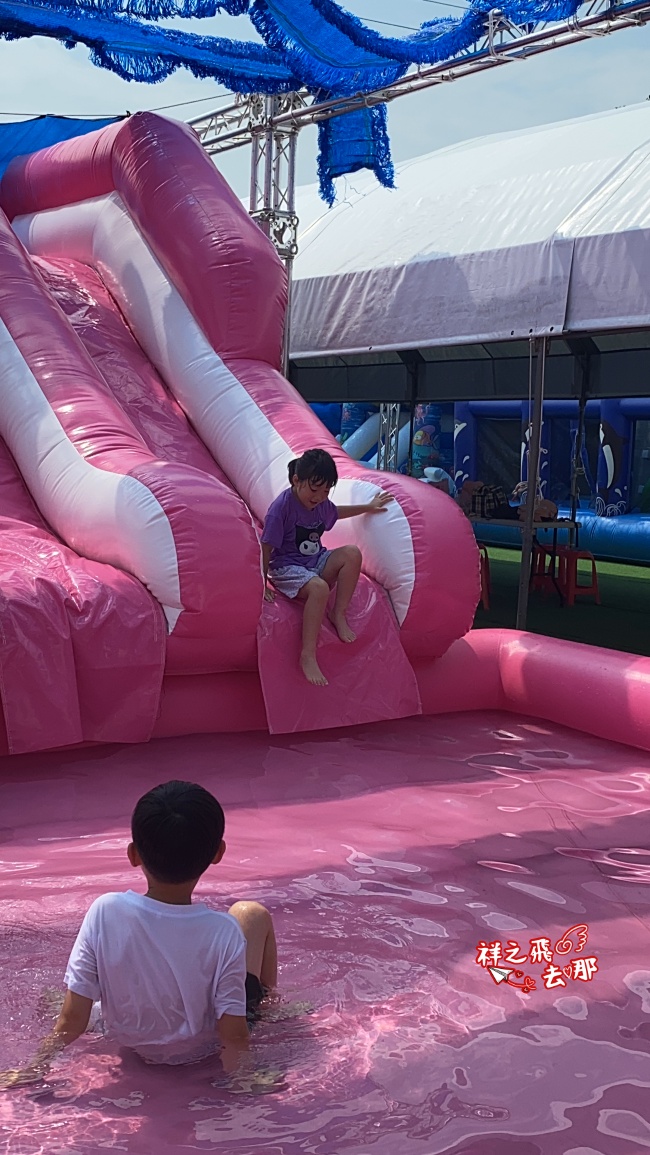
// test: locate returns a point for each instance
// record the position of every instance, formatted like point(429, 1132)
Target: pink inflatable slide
point(145, 430)
point(141, 314)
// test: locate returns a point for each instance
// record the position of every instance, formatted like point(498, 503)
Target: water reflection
point(383, 856)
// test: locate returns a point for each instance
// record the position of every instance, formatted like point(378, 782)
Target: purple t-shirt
point(295, 531)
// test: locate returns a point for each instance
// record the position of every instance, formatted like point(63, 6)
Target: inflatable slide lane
point(146, 429)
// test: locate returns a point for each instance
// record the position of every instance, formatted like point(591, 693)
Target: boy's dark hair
point(315, 465)
point(177, 829)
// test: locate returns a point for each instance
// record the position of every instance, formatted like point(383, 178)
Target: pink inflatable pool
point(387, 854)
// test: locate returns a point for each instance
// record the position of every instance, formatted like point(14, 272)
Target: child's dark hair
point(177, 829)
point(315, 465)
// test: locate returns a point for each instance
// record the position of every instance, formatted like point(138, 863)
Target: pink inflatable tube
point(601, 692)
point(150, 518)
point(74, 635)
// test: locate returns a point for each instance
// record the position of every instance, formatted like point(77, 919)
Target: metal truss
point(250, 120)
point(388, 438)
point(503, 43)
point(273, 173)
point(231, 126)
point(271, 123)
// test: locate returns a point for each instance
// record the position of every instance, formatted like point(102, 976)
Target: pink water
point(386, 853)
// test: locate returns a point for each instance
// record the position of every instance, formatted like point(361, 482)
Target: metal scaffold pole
point(388, 437)
point(534, 445)
point(273, 188)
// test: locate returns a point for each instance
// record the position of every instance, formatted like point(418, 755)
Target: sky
point(39, 76)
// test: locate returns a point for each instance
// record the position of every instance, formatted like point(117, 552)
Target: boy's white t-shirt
point(165, 974)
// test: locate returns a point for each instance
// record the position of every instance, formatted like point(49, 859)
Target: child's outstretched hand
point(379, 502)
point(269, 594)
point(262, 1081)
point(20, 1077)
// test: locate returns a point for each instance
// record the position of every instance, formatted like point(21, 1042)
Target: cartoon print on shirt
point(308, 539)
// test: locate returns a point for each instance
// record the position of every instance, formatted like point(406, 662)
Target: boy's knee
point(249, 912)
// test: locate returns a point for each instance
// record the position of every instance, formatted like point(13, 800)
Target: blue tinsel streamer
point(149, 54)
point(436, 40)
point(329, 64)
point(314, 44)
point(325, 59)
point(161, 9)
point(439, 40)
point(352, 142)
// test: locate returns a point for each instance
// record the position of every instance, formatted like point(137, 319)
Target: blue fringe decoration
point(148, 54)
point(323, 58)
point(330, 65)
point(441, 39)
point(161, 9)
point(313, 44)
point(352, 142)
point(435, 41)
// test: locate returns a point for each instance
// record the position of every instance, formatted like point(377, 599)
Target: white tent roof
point(539, 230)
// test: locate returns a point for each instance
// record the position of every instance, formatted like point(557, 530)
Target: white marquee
point(539, 230)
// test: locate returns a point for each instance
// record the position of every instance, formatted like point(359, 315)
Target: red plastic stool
point(542, 574)
point(485, 577)
point(568, 575)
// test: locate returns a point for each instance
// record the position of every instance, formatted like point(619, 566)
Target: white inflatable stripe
point(108, 517)
point(100, 232)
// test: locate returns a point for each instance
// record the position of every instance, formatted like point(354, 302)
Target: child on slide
point(297, 563)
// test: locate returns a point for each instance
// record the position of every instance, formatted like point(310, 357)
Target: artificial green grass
point(621, 622)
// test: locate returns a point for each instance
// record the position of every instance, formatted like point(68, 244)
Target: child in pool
point(297, 563)
point(177, 981)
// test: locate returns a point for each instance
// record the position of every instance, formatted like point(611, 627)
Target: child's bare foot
point(312, 670)
point(342, 628)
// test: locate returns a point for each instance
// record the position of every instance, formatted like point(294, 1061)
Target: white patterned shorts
point(289, 579)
